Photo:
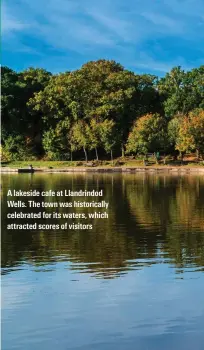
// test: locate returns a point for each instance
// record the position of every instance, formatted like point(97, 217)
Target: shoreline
point(125, 169)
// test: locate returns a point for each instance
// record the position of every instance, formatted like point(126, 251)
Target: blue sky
point(146, 36)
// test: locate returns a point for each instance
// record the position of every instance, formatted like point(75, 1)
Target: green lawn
point(116, 162)
point(38, 164)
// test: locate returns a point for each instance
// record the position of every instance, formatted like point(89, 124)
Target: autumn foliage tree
point(191, 133)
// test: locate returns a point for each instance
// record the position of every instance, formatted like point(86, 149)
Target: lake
point(133, 282)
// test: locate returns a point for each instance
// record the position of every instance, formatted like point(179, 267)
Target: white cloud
point(147, 62)
point(163, 21)
point(9, 23)
point(68, 33)
point(117, 26)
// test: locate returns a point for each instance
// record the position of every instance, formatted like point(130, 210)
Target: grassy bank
point(105, 164)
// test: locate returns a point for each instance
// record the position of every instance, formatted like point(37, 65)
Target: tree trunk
point(111, 152)
point(123, 151)
point(197, 154)
point(71, 156)
point(155, 156)
point(175, 156)
point(181, 156)
point(145, 160)
point(86, 158)
point(164, 159)
point(96, 153)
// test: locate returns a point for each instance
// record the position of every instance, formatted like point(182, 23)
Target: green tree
point(102, 89)
point(173, 129)
point(148, 134)
point(55, 141)
point(17, 89)
point(81, 136)
point(11, 93)
point(94, 134)
point(108, 136)
point(72, 142)
point(182, 91)
point(53, 102)
point(39, 106)
point(17, 148)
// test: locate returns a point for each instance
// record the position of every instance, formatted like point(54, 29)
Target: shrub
point(16, 148)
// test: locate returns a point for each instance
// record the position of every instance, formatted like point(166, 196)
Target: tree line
point(100, 109)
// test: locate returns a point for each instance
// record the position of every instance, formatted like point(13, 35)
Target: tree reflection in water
point(151, 218)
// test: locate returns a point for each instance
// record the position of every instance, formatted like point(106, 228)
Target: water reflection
point(153, 219)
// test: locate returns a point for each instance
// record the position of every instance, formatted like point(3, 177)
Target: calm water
point(135, 282)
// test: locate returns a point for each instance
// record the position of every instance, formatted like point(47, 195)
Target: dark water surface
point(135, 282)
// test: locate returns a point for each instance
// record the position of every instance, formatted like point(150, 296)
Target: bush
point(79, 163)
point(117, 163)
point(16, 148)
point(57, 155)
point(54, 147)
point(5, 155)
point(97, 162)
